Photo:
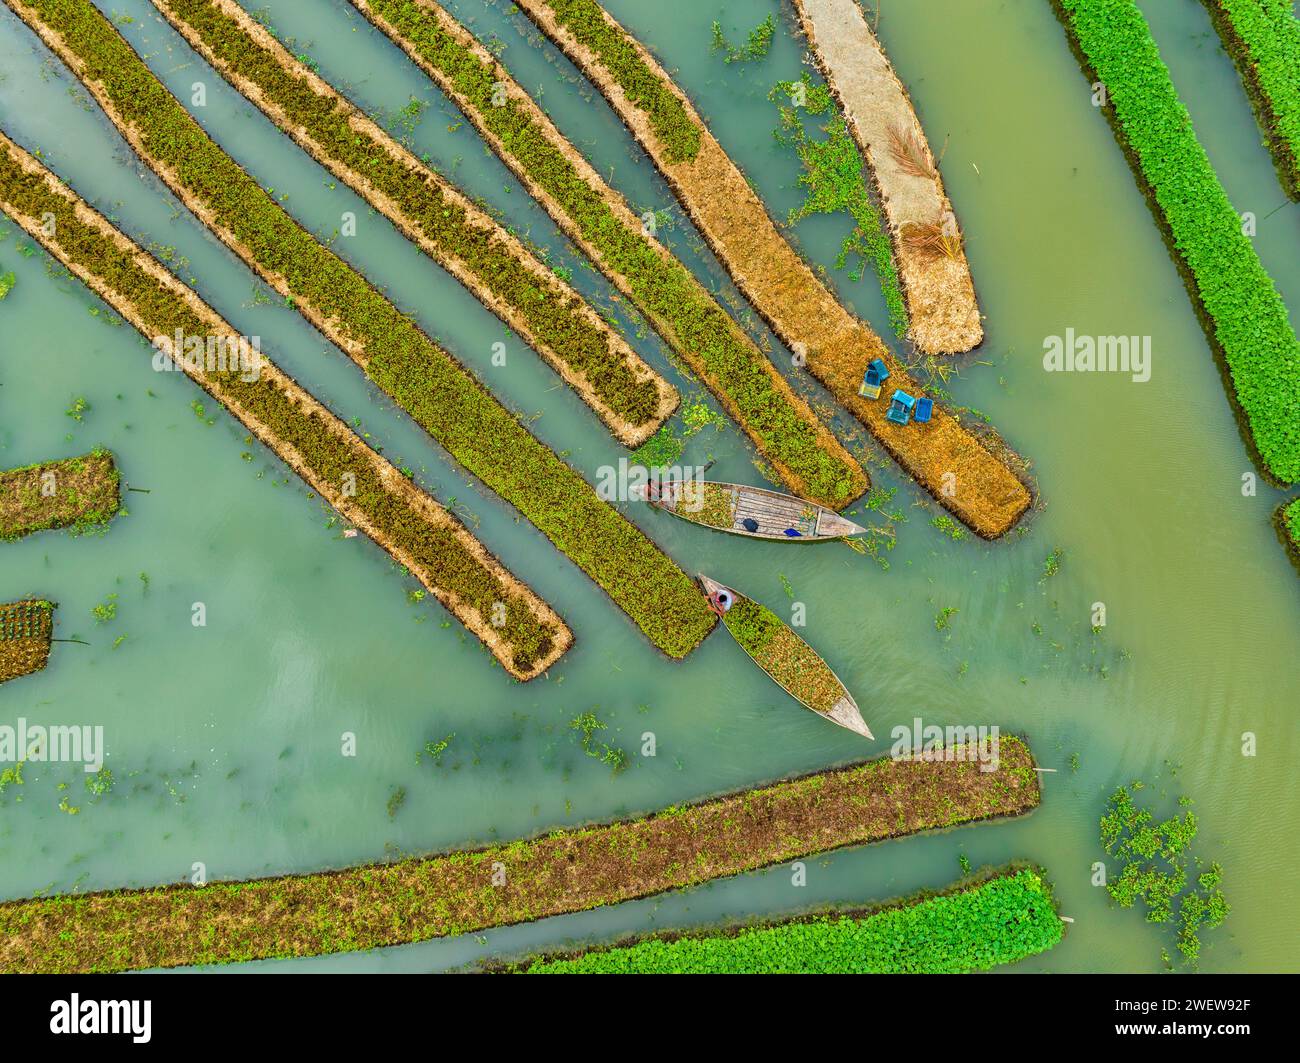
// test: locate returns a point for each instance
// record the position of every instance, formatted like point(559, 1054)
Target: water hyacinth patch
point(1005, 919)
point(1263, 37)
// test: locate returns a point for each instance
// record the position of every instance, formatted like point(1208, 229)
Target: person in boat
point(722, 601)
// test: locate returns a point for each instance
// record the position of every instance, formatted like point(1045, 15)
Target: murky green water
point(224, 741)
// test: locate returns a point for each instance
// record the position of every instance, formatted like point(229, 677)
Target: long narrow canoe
point(792, 663)
point(755, 512)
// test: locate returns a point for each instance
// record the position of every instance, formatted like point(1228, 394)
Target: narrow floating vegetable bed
point(521, 630)
point(26, 629)
point(802, 450)
point(78, 493)
point(1008, 917)
point(972, 476)
point(1263, 38)
point(936, 278)
point(565, 871)
point(495, 266)
point(1243, 314)
point(442, 396)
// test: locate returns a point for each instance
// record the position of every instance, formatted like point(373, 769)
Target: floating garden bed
point(521, 630)
point(612, 379)
point(964, 474)
point(1007, 917)
point(462, 892)
point(78, 493)
point(423, 379)
point(1243, 313)
point(1263, 38)
point(804, 453)
point(26, 629)
point(944, 317)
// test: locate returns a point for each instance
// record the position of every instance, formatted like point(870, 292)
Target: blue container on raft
point(873, 379)
point(924, 408)
point(900, 407)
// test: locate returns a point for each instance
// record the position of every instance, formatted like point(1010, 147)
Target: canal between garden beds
point(224, 741)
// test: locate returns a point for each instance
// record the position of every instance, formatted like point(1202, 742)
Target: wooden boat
point(792, 664)
point(738, 508)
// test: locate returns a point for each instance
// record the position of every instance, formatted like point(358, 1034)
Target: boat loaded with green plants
point(26, 629)
point(82, 493)
point(936, 933)
point(471, 363)
point(793, 665)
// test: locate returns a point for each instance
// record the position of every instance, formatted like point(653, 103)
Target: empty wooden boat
point(752, 511)
point(793, 665)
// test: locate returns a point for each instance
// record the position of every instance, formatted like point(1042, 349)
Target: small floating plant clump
point(427, 382)
point(783, 655)
point(1246, 316)
point(26, 630)
point(1156, 859)
point(551, 874)
point(410, 525)
point(1263, 37)
point(805, 454)
point(81, 493)
point(1006, 918)
point(756, 46)
point(609, 375)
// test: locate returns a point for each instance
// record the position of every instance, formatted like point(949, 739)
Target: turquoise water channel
point(224, 741)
